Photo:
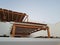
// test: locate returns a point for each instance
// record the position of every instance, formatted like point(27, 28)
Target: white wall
point(57, 29)
point(5, 28)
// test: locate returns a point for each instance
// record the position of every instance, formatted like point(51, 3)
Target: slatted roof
point(9, 15)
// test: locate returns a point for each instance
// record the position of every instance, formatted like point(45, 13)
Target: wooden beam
point(26, 18)
point(29, 26)
point(48, 32)
point(13, 31)
point(22, 15)
point(12, 15)
point(3, 15)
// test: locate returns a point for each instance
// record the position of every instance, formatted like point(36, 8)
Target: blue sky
point(46, 11)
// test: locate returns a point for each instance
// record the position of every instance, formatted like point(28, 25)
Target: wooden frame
point(8, 15)
point(11, 16)
point(26, 19)
point(30, 26)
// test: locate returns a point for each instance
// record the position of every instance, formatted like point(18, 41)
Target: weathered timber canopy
point(20, 26)
point(8, 16)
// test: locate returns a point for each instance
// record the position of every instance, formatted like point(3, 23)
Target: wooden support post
point(48, 32)
point(13, 31)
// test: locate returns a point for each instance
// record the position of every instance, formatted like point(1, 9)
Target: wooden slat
point(8, 15)
point(21, 18)
point(25, 19)
point(14, 16)
point(29, 26)
point(17, 18)
point(48, 32)
point(35, 23)
point(0, 14)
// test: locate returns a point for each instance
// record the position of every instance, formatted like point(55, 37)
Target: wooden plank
point(22, 16)
point(26, 18)
point(8, 15)
point(35, 23)
point(16, 18)
point(29, 26)
point(48, 32)
point(12, 16)
point(1, 13)
point(13, 31)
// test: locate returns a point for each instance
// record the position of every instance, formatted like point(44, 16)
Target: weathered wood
point(48, 32)
point(9, 15)
point(13, 31)
point(22, 29)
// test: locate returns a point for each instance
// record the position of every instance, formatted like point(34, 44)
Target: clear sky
point(46, 11)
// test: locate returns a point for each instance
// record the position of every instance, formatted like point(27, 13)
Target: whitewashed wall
point(5, 28)
point(57, 29)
